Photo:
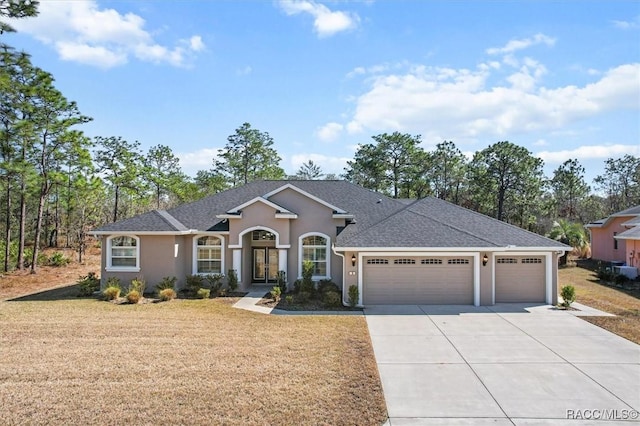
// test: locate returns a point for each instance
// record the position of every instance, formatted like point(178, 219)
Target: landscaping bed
point(298, 305)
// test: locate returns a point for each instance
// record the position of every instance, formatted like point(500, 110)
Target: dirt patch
point(19, 283)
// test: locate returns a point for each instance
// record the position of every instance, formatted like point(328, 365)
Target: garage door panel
point(418, 283)
point(520, 279)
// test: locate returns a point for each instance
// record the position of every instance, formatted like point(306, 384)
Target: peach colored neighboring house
point(617, 237)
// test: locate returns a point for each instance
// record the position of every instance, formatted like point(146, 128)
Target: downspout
point(344, 277)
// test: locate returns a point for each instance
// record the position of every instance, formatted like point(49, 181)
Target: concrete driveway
point(504, 365)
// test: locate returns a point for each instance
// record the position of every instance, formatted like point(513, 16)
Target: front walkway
point(502, 365)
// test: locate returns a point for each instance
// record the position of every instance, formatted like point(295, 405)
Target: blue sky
point(561, 78)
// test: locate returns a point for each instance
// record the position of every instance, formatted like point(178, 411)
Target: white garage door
point(520, 279)
point(418, 280)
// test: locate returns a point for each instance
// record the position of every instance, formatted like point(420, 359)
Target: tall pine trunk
point(7, 235)
point(21, 226)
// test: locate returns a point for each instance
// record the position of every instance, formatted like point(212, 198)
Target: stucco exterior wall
point(262, 216)
point(486, 280)
point(602, 241)
point(312, 217)
point(633, 253)
point(554, 275)
point(159, 257)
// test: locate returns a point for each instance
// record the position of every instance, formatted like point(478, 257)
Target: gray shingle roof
point(631, 211)
point(431, 222)
point(380, 221)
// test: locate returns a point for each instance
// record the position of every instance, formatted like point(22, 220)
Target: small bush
point(232, 280)
point(327, 285)
point(133, 296)
point(332, 299)
point(167, 294)
point(568, 293)
point(138, 284)
point(297, 284)
point(276, 293)
point(307, 278)
point(303, 297)
point(167, 282)
point(89, 284)
point(282, 281)
point(215, 282)
point(222, 292)
point(354, 295)
point(620, 279)
point(289, 299)
point(203, 293)
point(111, 293)
point(605, 274)
point(58, 259)
point(193, 283)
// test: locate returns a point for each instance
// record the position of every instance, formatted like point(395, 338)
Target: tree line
point(56, 184)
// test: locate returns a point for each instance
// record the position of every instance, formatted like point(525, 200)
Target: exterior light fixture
point(353, 260)
point(485, 259)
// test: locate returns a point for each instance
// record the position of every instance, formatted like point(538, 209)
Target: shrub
point(620, 279)
point(303, 297)
point(167, 294)
point(282, 281)
point(276, 293)
point(232, 280)
point(332, 299)
point(28, 256)
point(354, 295)
point(327, 285)
point(222, 292)
point(137, 284)
point(297, 284)
point(88, 284)
point(111, 293)
point(58, 259)
point(133, 296)
point(289, 299)
point(203, 293)
point(193, 283)
point(605, 274)
point(215, 282)
point(167, 282)
point(307, 284)
point(568, 293)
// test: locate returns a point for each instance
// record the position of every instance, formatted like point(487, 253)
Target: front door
point(265, 265)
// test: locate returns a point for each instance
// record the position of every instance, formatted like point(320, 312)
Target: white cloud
point(201, 159)
point(81, 31)
point(326, 22)
point(515, 45)
point(327, 163)
point(460, 103)
point(541, 142)
point(589, 152)
point(329, 132)
point(627, 25)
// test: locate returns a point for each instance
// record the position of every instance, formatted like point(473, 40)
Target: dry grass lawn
point(83, 361)
point(625, 304)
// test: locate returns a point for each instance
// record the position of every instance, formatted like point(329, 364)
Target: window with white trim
point(431, 261)
point(531, 260)
point(458, 261)
point(404, 262)
point(208, 255)
point(123, 253)
point(315, 248)
point(506, 260)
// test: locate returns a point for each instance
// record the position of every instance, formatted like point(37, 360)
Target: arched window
point(208, 255)
point(315, 248)
point(123, 253)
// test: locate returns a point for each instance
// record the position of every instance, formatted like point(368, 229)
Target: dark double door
point(265, 265)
